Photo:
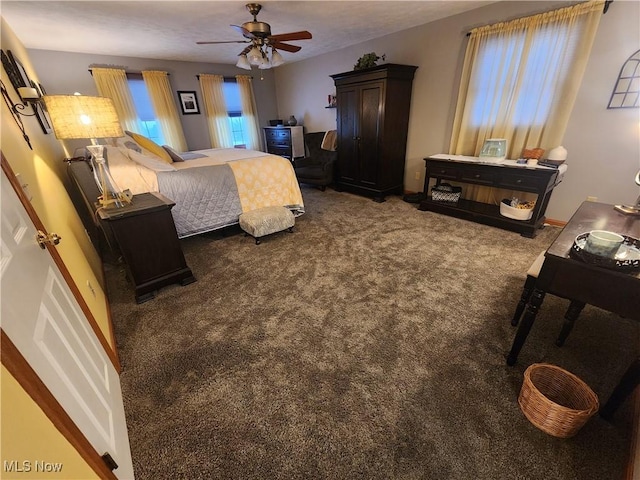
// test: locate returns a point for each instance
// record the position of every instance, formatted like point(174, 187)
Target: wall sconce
point(29, 94)
point(15, 113)
point(29, 97)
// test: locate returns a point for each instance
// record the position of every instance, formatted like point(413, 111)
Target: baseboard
point(555, 223)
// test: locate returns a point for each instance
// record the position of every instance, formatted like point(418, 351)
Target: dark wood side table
point(611, 290)
point(148, 241)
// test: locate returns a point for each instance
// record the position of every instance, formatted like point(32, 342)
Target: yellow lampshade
point(82, 116)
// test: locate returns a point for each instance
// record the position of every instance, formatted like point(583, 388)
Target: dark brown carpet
point(367, 344)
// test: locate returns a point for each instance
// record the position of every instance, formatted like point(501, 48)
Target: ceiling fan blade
point(246, 50)
point(243, 31)
point(229, 41)
point(285, 46)
point(286, 37)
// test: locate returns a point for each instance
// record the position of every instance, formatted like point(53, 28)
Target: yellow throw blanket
point(267, 181)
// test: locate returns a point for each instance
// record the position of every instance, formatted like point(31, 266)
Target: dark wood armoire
point(373, 117)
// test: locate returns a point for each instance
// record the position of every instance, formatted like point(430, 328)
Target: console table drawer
point(519, 181)
point(444, 171)
point(477, 176)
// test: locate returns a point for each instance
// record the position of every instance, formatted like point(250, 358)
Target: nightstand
point(147, 238)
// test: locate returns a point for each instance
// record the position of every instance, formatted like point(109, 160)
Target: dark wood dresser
point(284, 141)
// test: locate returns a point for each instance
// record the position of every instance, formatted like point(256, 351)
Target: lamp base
point(628, 209)
point(121, 199)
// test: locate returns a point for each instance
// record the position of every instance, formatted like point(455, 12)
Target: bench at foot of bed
point(267, 220)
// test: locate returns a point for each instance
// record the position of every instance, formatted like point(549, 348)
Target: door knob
point(51, 239)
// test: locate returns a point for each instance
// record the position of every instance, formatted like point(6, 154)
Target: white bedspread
point(212, 191)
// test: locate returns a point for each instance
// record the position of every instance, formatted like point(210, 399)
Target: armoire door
point(371, 95)
point(348, 118)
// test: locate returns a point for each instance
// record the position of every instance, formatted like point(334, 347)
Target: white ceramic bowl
point(603, 243)
point(515, 213)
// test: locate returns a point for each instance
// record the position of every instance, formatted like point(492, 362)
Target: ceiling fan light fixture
point(276, 58)
point(255, 56)
point(265, 64)
point(258, 35)
point(243, 62)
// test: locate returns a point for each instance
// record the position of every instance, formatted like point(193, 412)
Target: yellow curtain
point(165, 108)
point(249, 113)
point(216, 110)
point(112, 83)
point(501, 69)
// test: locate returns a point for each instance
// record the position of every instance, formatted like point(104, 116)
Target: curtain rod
point(607, 3)
point(90, 70)
point(226, 79)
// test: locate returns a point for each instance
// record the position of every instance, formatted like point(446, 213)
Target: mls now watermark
point(31, 466)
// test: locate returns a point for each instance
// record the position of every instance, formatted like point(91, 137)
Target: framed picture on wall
point(188, 103)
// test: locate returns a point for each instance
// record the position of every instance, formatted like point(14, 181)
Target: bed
point(211, 188)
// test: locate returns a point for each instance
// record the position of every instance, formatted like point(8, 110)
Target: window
point(234, 109)
point(518, 79)
point(144, 108)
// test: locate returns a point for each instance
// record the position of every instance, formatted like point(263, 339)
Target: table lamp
point(631, 209)
point(82, 116)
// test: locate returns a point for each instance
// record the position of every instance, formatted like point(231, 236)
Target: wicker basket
point(556, 401)
point(445, 193)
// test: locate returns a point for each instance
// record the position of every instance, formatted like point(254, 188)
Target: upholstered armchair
point(316, 168)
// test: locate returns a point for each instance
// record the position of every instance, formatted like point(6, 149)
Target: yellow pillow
point(150, 145)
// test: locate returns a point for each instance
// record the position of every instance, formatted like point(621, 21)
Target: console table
point(508, 175)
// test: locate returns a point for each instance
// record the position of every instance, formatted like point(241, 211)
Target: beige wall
point(65, 72)
point(603, 145)
point(43, 169)
point(26, 433)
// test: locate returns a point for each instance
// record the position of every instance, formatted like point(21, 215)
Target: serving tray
point(627, 258)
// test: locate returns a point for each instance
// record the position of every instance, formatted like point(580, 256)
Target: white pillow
point(152, 163)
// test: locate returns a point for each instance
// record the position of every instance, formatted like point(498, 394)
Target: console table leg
point(569, 319)
point(537, 297)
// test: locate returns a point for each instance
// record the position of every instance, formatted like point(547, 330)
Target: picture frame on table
point(188, 102)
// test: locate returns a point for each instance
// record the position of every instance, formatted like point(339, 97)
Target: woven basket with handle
point(556, 401)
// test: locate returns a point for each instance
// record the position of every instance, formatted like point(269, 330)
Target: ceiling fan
point(258, 35)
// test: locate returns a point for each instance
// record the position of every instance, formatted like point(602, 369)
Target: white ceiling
point(169, 29)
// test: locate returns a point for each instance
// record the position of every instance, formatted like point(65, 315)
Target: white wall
point(65, 73)
point(603, 145)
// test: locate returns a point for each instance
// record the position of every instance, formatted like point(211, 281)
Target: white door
point(44, 321)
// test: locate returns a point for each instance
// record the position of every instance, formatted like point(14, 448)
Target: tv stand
point(508, 175)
